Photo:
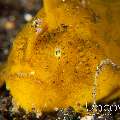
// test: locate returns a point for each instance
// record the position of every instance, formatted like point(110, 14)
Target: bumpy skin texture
point(84, 36)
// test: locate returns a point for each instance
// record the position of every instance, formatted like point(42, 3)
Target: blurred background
point(13, 14)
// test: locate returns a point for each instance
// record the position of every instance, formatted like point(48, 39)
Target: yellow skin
point(59, 63)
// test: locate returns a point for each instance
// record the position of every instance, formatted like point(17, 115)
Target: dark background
point(13, 15)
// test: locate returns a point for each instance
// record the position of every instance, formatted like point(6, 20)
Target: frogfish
point(69, 48)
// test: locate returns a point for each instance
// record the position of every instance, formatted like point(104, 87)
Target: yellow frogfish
point(69, 48)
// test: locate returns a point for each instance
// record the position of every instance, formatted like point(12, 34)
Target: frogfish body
point(53, 60)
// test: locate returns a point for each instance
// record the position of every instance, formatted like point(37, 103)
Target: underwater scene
point(60, 60)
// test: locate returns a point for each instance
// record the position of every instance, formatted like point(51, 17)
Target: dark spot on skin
point(69, 42)
point(67, 61)
point(65, 27)
point(97, 46)
point(46, 67)
point(86, 64)
point(33, 109)
point(78, 104)
point(62, 81)
point(94, 17)
point(95, 57)
point(53, 82)
point(75, 71)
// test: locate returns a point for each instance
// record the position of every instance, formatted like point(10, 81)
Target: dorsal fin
point(50, 10)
